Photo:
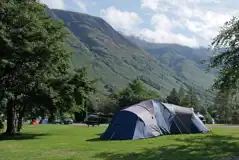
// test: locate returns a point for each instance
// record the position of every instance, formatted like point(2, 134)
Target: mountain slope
point(195, 54)
point(109, 55)
point(182, 60)
point(114, 59)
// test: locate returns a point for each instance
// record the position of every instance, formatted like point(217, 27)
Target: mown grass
point(62, 142)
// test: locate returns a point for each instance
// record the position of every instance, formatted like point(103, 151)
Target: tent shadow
point(186, 148)
point(102, 140)
point(99, 134)
point(94, 140)
point(24, 136)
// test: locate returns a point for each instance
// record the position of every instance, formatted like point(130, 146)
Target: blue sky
point(188, 22)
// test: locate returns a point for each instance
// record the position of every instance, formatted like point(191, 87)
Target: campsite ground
point(72, 142)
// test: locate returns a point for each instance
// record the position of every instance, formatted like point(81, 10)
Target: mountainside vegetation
point(185, 62)
point(116, 61)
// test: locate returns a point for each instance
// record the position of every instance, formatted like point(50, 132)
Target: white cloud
point(200, 19)
point(161, 36)
point(151, 4)
point(121, 19)
point(163, 32)
point(81, 5)
point(56, 4)
point(209, 24)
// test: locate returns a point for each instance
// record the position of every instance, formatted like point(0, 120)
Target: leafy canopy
point(173, 97)
point(134, 93)
point(34, 64)
point(226, 45)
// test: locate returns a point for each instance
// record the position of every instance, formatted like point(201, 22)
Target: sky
point(193, 23)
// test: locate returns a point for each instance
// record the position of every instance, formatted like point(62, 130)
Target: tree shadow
point(24, 136)
point(211, 147)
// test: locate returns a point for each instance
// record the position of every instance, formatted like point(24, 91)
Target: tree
point(190, 100)
point(173, 97)
point(226, 45)
point(181, 93)
point(72, 93)
point(193, 100)
point(109, 105)
point(134, 93)
point(33, 58)
point(235, 116)
point(185, 101)
point(222, 107)
point(32, 49)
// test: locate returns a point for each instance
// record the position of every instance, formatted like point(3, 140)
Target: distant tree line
point(134, 93)
point(226, 108)
point(189, 98)
point(183, 98)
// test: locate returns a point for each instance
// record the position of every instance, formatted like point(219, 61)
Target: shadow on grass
point(24, 136)
point(211, 147)
point(94, 140)
point(99, 134)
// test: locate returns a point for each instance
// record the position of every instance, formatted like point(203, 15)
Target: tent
point(201, 117)
point(34, 122)
point(43, 121)
point(151, 118)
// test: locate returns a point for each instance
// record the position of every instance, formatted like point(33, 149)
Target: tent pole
point(183, 125)
point(111, 136)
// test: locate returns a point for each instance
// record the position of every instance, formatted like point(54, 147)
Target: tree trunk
point(51, 118)
point(19, 123)
point(11, 116)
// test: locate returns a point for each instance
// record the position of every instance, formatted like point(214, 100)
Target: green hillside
point(184, 61)
point(114, 59)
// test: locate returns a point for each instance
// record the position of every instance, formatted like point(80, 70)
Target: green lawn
point(62, 142)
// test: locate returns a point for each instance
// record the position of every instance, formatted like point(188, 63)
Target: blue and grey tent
point(43, 121)
point(151, 118)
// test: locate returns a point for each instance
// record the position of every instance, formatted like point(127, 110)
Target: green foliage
point(226, 45)
point(222, 107)
point(185, 101)
point(134, 93)
point(193, 98)
point(71, 91)
point(181, 93)
point(235, 116)
point(109, 105)
point(226, 108)
point(150, 82)
point(190, 100)
point(34, 64)
point(173, 97)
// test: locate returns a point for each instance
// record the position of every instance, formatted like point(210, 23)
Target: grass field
point(62, 142)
